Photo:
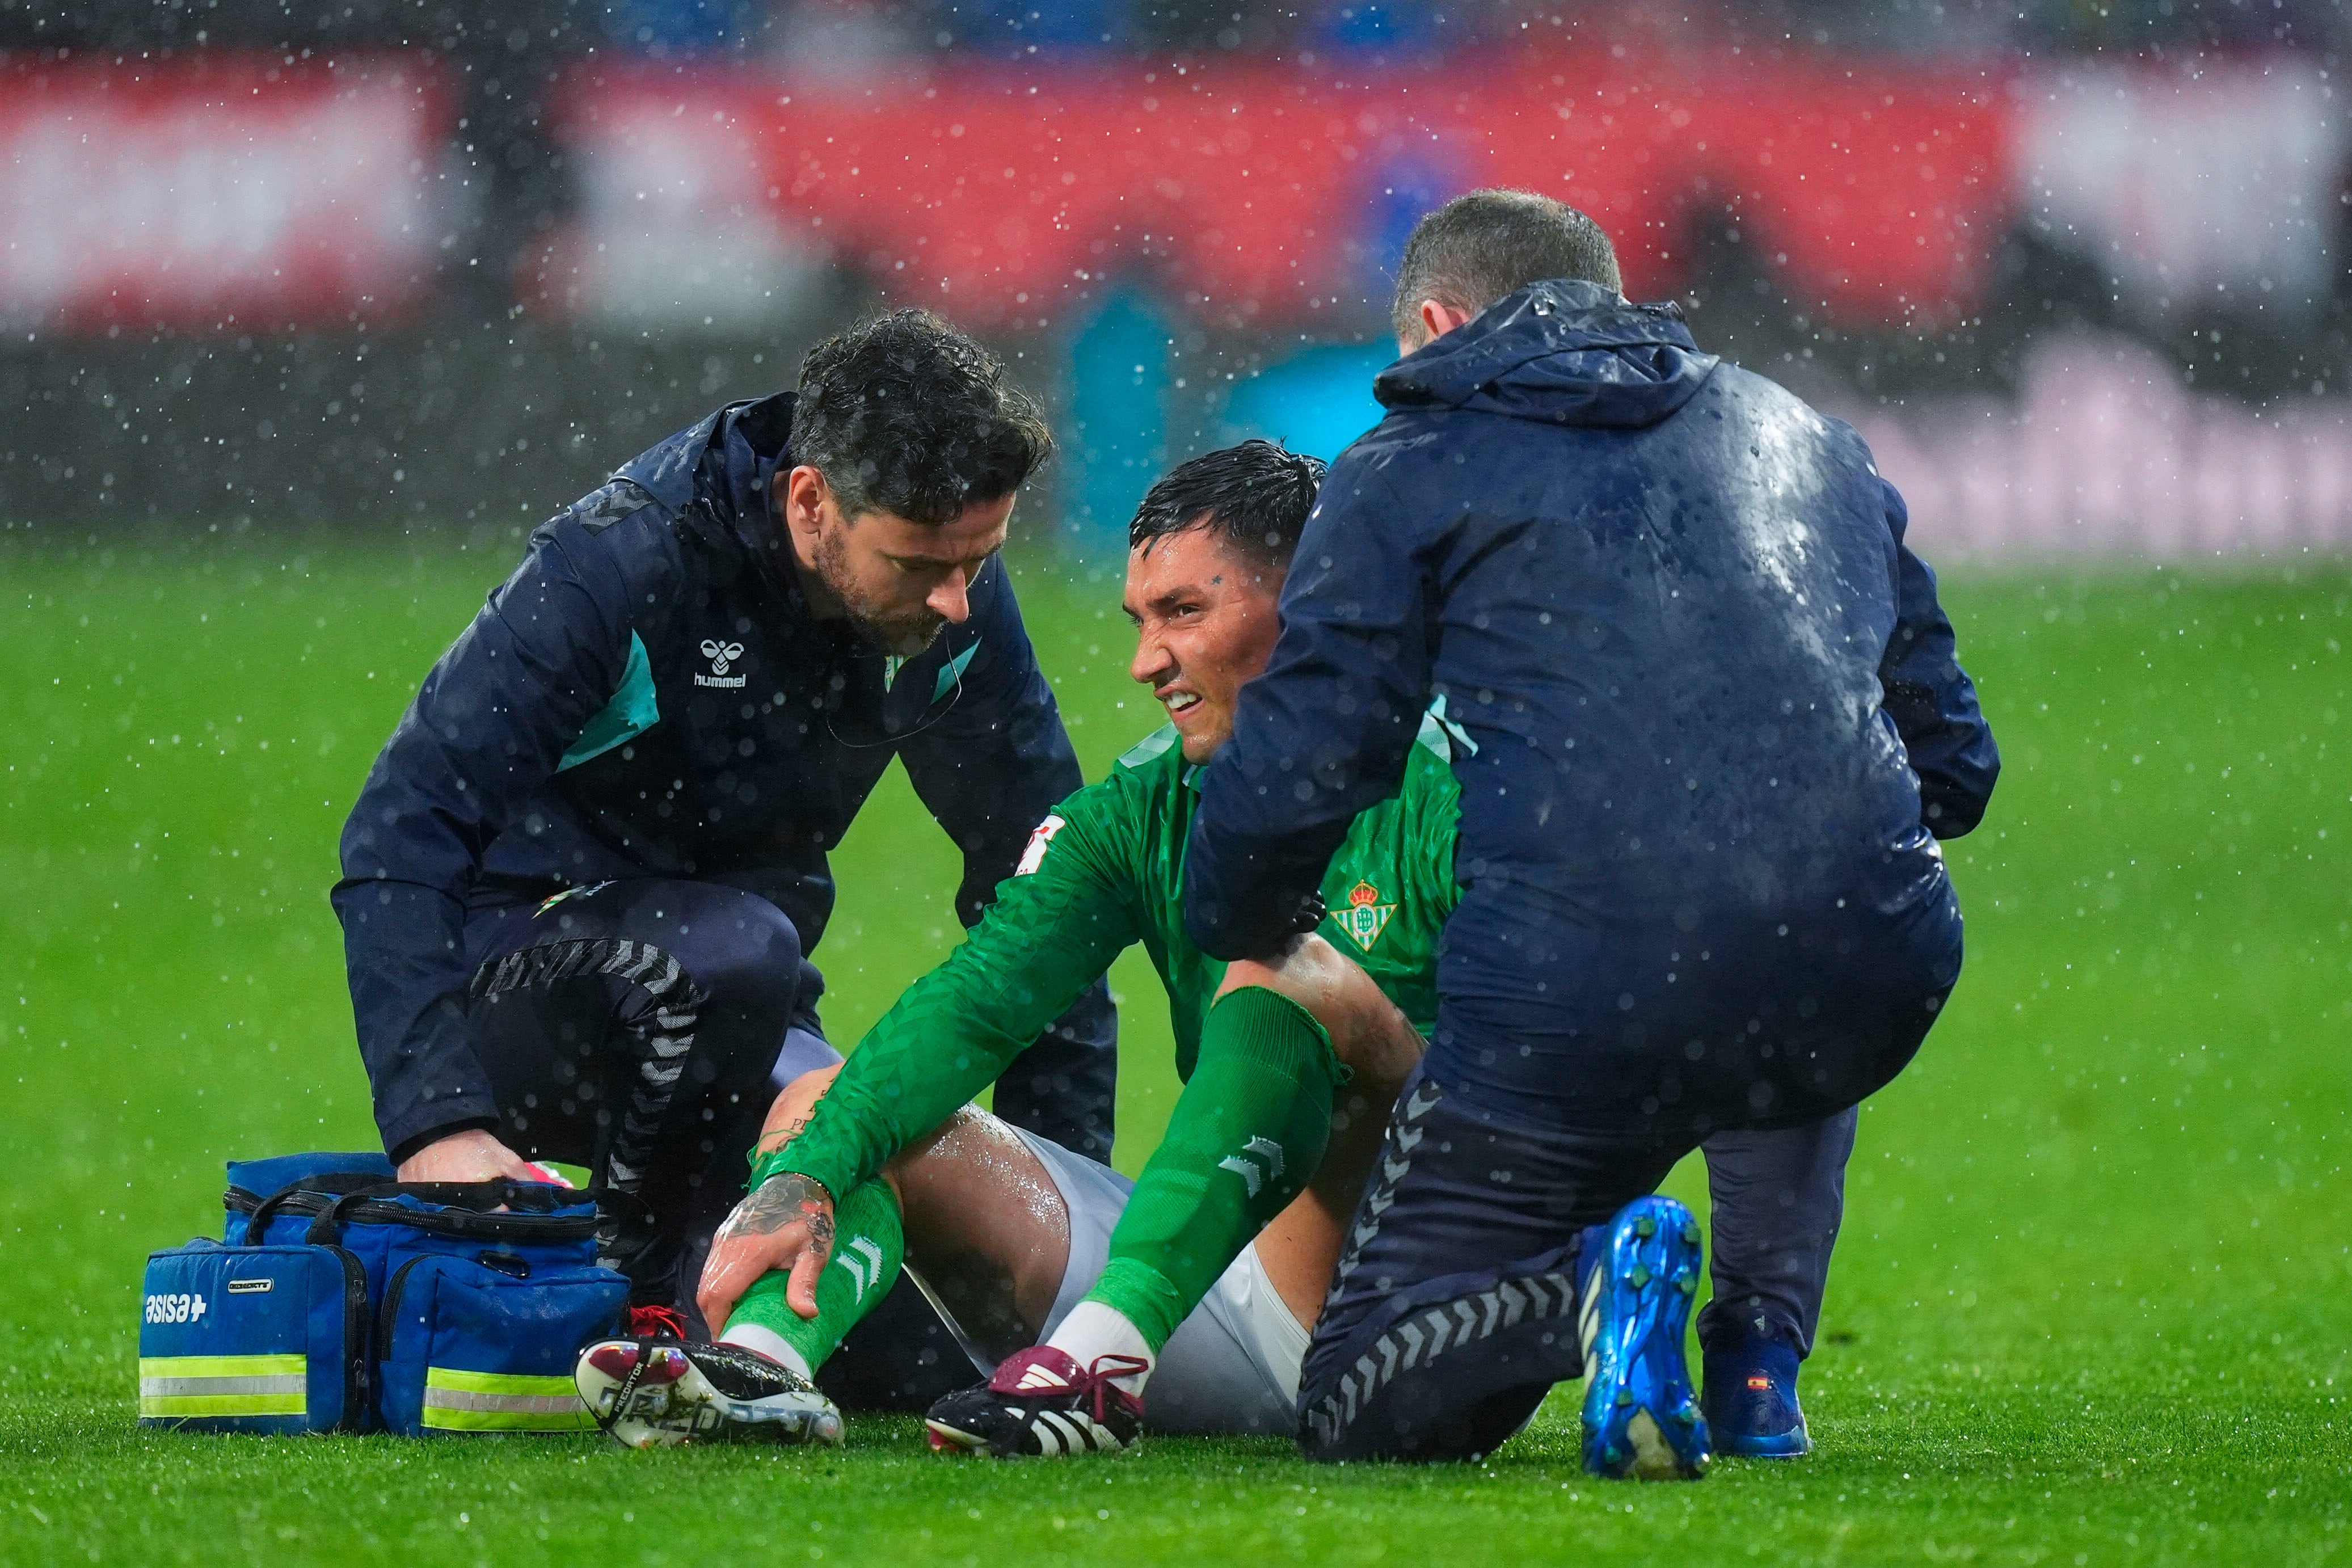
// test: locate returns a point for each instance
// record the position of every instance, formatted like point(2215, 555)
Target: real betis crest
point(1365, 917)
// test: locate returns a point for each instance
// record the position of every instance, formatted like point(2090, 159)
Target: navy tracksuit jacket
point(1717, 719)
point(1716, 726)
point(648, 697)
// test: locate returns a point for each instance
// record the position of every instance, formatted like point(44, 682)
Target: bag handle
point(327, 1230)
point(328, 1184)
point(478, 1197)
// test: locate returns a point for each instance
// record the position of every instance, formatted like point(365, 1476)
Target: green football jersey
point(1104, 871)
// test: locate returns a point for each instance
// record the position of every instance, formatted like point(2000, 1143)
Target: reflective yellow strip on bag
point(184, 1406)
point(460, 1400)
point(183, 1387)
point(220, 1366)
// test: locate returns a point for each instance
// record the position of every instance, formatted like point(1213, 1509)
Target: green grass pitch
point(2094, 1302)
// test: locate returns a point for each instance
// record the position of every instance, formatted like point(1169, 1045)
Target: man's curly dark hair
point(905, 414)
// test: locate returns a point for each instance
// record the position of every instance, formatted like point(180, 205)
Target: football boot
point(1042, 1401)
point(658, 1393)
point(1749, 1396)
point(1636, 1277)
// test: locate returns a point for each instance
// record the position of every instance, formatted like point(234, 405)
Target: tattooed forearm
point(775, 1138)
point(780, 1201)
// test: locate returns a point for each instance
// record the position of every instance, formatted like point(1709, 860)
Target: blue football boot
point(1750, 1398)
point(1637, 1277)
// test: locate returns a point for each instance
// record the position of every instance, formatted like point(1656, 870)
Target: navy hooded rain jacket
point(649, 696)
point(1710, 700)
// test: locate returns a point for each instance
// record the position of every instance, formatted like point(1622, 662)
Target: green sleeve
point(1057, 923)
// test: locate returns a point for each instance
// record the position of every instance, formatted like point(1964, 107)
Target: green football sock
point(869, 1242)
point(1248, 1131)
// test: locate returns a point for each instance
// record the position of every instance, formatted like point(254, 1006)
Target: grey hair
point(1478, 247)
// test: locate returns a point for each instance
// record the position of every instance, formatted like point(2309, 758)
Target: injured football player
point(1070, 1286)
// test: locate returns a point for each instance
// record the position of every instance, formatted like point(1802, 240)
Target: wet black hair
point(1478, 247)
point(1253, 497)
point(904, 414)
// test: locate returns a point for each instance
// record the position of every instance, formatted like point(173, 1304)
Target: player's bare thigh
point(986, 1227)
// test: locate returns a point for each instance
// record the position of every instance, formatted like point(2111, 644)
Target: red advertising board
point(1260, 193)
point(266, 191)
point(270, 191)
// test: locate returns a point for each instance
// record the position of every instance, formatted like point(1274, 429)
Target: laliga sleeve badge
point(1034, 854)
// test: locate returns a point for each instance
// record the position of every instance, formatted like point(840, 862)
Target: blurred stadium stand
point(411, 260)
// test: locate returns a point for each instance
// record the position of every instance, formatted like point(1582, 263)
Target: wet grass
point(2093, 1303)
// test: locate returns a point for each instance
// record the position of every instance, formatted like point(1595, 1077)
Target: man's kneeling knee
point(1449, 1369)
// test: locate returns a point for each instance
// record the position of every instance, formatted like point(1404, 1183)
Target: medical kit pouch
point(341, 1300)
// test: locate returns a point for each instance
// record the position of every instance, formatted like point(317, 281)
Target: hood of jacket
point(727, 458)
point(729, 455)
point(1561, 352)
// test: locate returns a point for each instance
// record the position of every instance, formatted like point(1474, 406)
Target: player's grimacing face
point(1205, 623)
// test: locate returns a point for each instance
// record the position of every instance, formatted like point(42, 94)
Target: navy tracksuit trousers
point(641, 1029)
point(630, 1027)
point(1475, 1183)
point(1428, 1348)
point(1776, 1199)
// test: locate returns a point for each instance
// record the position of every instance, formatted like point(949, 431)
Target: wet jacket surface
point(648, 695)
point(1713, 698)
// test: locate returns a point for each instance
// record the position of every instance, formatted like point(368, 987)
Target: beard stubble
point(904, 633)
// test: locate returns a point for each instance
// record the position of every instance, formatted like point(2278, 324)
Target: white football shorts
point(1231, 1367)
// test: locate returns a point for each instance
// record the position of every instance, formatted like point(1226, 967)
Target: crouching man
point(583, 882)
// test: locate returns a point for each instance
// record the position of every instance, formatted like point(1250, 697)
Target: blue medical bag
point(341, 1300)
